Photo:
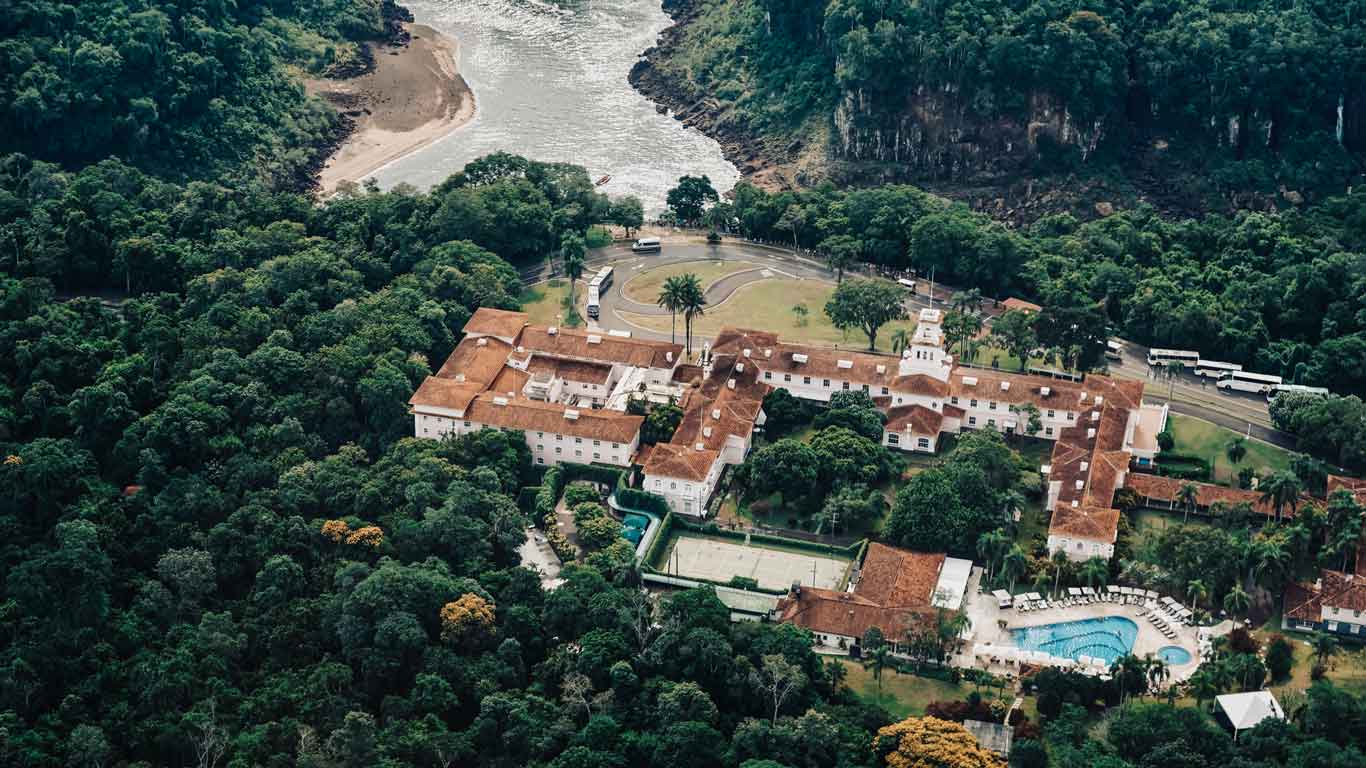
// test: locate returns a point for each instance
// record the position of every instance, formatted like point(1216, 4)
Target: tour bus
point(1187, 358)
point(1114, 350)
point(596, 288)
point(906, 283)
point(1244, 381)
point(1282, 388)
point(1213, 369)
point(646, 244)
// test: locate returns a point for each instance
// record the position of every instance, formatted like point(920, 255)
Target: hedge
point(642, 500)
point(597, 473)
point(549, 493)
point(661, 538)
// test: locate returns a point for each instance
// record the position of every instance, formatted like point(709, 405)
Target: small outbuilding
point(1242, 711)
point(992, 736)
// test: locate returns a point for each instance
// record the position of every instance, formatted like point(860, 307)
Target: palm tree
point(693, 300)
point(880, 659)
point(1281, 489)
point(1157, 672)
point(1095, 570)
point(1131, 672)
point(901, 339)
point(1324, 645)
point(1188, 495)
point(1059, 560)
point(965, 301)
point(671, 298)
point(1202, 686)
point(1041, 581)
point(1196, 592)
point(1236, 602)
point(990, 545)
point(1273, 561)
point(571, 252)
point(1014, 564)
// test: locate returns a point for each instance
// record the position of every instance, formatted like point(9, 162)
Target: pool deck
point(993, 625)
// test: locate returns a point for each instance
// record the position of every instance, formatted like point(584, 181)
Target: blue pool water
point(1174, 655)
point(1107, 638)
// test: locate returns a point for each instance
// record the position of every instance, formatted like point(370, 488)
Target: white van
point(646, 244)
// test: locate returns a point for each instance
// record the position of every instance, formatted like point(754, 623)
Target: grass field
point(905, 695)
point(1201, 438)
point(767, 304)
point(544, 303)
point(645, 286)
point(776, 568)
point(1149, 523)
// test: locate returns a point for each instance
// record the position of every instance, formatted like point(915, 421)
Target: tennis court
point(719, 560)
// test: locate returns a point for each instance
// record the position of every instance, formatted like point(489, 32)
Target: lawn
point(1201, 438)
point(1149, 523)
point(645, 286)
point(767, 304)
point(902, 695)
point(545, 303)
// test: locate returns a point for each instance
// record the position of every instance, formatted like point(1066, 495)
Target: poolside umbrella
point(1073, 592)
point(1167, 600)
point(1151, 595)
point(1035, 596)
point(1088, 591)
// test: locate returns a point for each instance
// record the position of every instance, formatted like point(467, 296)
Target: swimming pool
point(1106, 638)
point(1174, 655)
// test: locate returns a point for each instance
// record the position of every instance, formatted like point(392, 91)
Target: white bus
point(1283, 388)
point(596, 288)
point(1114, 350)
point(1213, 369)
point(1243, 381)
point(646, 244)
point(1158, 357)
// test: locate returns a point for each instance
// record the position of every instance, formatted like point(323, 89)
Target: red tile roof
point(476, 359)
point(1167, 489)
point(603, 348)
point(922, 420)
point(894, 594)
point(445, 393)
point(1021, 304)
point(681, 461)
point(536, 416)
point(488, 321)
point(1091, 523)
point(1334, 590)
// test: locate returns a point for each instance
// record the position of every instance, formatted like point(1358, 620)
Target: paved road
point(1240, 412)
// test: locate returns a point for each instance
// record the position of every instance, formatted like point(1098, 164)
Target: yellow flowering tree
point(928, 742)
point(468, 618)
point(370, 536)
point(335, 530)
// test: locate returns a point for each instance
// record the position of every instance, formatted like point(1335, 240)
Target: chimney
point(768, 353)
point(552, 330)
point(459, 377)
point(500, 400)
point(716, 413)
point(1090, 433)
point(798, 357)
point(669, 356)
point(1100, 399)
point(520, 349)
point(969, 381)
point(881, 368)
point(1081, 484)
point(1084, 465)
point(1045, 391)
point(482, 342)
point(706, 431)
point(1095, 415)
point(1005, 386)
point(571, 414)
point(845, 364)
point(747, 353)
point(594, 338)
point(739, 367)
point(730, 383)
point(700, 447)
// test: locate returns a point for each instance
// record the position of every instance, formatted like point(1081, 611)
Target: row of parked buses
point(1228, 376)
point(596, 288)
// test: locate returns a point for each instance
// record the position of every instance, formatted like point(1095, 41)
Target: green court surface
point(719, 560)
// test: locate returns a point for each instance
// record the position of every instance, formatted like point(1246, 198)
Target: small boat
point(606, 178)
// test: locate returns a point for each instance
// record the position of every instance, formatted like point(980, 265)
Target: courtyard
point(719, 560)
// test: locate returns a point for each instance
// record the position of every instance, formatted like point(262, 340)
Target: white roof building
point(1245, 710)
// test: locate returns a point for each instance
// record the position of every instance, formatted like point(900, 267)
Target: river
point(550, 84)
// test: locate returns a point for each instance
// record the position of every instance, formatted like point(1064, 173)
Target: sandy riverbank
point(414, 96)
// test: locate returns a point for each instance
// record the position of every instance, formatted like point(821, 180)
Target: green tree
point(572, 254)
point(1236, 450)
point(1014, 330)
point(866, 305)
point(1280, 490)
point(690, 197)
point(672, 296)
point(692, 302)
point(628, 213)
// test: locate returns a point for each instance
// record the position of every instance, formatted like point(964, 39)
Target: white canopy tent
point(1245, 710)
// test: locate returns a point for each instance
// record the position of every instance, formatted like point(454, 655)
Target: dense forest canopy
point(189, 89)
point(1263, 92)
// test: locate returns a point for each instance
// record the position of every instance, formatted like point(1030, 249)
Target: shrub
point(579, 493)
point(1241, 641)
point(744, 582)
point(1165, 441)
point(597, 237)
point(1280, 657)
point(588, 510)
point(642, 500)
point(598, 531)
point(713, 237)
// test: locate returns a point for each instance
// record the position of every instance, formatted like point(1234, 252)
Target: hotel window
point(540, 460)
point(954, 399)
point(1048, 431)
point(673, 486)
point(787, 377)
point(579, 454)
point(540, 434)
point(578, 441)
point(559, 437)
point(467, 424)
point(540, 447)
point(845, 385)
point(884, 391)
point(973, 403)
point(558, 450)
point(659, 483)
point(768, 375)
point(597, 456)
point(972, 420)
point(865, 387)
point(426, 431)
point(596, 443)
point(893, 438)
point(923, 442)
point(991, 422)
point(1071, 416)
point(806, 379)
point(1051, 414)
point(825, 383)
point(992, 405)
